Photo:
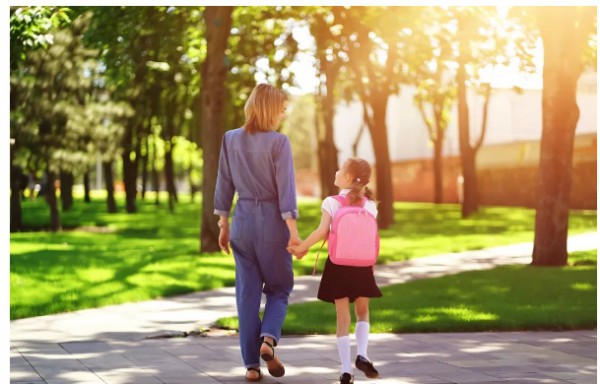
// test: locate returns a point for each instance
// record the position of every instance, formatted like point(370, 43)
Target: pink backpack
point(353, 239)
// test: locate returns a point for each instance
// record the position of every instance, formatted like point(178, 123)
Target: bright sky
point(306, 74)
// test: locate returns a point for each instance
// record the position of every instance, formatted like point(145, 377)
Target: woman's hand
point(294, 240)
point(224, 238)
point(295, 247)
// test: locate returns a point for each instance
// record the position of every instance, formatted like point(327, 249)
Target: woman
point(256, 162)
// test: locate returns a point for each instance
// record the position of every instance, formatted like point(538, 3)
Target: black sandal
point(274, 366)
point(260, 376)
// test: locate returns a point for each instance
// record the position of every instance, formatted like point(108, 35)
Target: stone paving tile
point(584, 381)
point(534, 380)
point(128, 376)
point(411, 358)
point(23, 374)
point(27, 382)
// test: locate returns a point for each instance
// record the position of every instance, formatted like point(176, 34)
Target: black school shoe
point(366, 366)
point(346, 378)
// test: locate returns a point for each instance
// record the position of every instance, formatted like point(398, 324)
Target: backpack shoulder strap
point(341, 199)
point(317, 258)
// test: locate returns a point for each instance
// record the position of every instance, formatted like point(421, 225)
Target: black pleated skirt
point(339, 281)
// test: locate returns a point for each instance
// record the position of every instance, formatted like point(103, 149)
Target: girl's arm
point(318, 234)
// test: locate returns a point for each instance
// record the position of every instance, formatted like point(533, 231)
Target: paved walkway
point(119, 344)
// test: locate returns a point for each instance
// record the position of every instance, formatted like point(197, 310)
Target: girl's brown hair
point(360, 170)
point(263, 108)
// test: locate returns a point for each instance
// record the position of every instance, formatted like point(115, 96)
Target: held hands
point(293, 245)
point(295, 248)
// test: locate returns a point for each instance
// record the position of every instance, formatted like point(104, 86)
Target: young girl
point(343, 285)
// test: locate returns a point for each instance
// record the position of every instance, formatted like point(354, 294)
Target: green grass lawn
point(507, 298)
point(101, 259)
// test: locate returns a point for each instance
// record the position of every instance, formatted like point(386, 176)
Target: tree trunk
point(111, 205)
point(191, 182)
point(438, 174)
point(86, 187)
point(213, 98)
point(129, 181)
point(66, 190)
point(145, 169)
point(50, 196)
point(470, 202)
point(563, 43)
point(15, 195)
point(170, 177)
point(134, 130)
point(436, 129)
point(170, 113)
point(327, 152)
point(383, 165)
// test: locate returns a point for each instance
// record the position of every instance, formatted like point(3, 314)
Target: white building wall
point(511, 117)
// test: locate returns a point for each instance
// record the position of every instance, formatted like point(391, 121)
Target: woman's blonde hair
point(263, 108)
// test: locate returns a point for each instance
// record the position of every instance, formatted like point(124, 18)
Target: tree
point(253, 34)
point(213, 118)
point(565, 32)
point(299, 127)
point(29, 30)
point(126, 50)
point(48, 95)
point(429, 64)
point(329, 65)
point(484, 40)
point(368, 34)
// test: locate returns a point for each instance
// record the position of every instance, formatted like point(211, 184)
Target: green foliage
point(30, 29)
point(187, 159)
point(261, 49)
point(300, 128)
point(61, 115)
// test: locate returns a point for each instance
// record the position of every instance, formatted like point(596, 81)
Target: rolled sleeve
point(286, 181)
point(225, 189)
point(221, 213)
point(290, 215)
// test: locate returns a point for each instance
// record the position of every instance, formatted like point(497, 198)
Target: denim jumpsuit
point(259, 167)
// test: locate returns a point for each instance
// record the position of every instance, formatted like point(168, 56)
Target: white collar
point(345, 191)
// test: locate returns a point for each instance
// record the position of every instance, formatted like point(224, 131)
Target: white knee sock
point(362, 338)
point(343, 344)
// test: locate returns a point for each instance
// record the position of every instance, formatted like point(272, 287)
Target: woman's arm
point(286, 181)
point(224, 189)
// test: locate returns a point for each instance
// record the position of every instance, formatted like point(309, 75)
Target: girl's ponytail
point(368, 193)
point(356, 192)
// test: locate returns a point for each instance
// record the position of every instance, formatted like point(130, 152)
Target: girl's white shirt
point(331, 205)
